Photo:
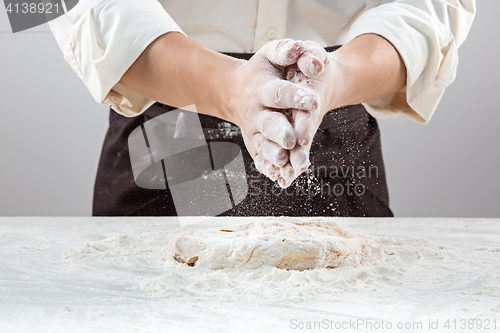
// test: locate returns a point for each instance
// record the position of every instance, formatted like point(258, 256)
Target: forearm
point(177, 71)
point(367, 68)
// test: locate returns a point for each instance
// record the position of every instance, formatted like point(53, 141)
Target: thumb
point(312, 61)
point(282, 53)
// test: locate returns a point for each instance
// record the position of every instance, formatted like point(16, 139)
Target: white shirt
point(101, 39)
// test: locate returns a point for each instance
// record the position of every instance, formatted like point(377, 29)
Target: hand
point(259, 90)
point(307, 73)
point(365, 69)
point(178, 71)
point(305, 66)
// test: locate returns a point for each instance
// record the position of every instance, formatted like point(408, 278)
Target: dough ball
point(285, 243)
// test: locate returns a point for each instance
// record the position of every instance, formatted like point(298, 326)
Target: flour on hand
point(282, 242)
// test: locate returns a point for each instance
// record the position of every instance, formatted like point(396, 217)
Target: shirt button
point(272, 33)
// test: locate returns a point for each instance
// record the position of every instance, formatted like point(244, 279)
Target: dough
point(285, 243)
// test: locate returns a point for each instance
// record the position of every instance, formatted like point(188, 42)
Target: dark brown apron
point(346, 178)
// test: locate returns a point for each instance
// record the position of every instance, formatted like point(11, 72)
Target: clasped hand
point(279, 98)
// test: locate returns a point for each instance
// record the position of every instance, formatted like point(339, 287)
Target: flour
point(403, 269)
point(114, 274)
point(289, 244)
point(408, 270)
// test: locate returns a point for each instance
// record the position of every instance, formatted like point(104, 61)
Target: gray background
point(51, 133)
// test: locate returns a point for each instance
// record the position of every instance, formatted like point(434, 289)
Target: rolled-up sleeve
point(427, 34)
point(102, 40)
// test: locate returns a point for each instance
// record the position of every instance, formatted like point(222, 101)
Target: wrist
point(365, 69)
point(209, 76)
point(229, 89)
point(338, 84)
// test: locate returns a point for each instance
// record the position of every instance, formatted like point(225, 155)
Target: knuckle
point(281, 156)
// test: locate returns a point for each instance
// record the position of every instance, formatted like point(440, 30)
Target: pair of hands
point(279, 98)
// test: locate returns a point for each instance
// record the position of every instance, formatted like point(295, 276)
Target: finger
point(259, 162)
point(276, 127)
point(283, 183)
point(266, 168)
point(270, 151)
point(287, 172)
point(303, 121)
point(312, 61)
point(291, 73)
point(299, 158)
point(273, 172)
point(282, 94)
point(305, 125)
point(294, 75)
point(283, 52)
point(311, 65)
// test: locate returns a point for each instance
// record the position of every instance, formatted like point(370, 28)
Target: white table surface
point(55, 275)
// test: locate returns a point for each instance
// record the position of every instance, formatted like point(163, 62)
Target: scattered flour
point(407, 269)
point(116, 275)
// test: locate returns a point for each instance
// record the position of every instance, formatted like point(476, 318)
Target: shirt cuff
point(107, 40)
point(428, 50)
